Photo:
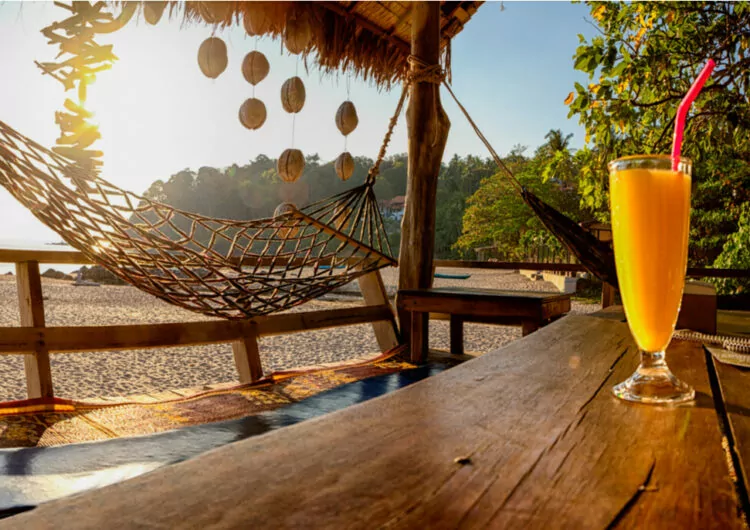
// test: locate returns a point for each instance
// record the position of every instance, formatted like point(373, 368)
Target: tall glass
point(650, 206)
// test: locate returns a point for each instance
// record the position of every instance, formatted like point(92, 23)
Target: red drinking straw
point(682, 110)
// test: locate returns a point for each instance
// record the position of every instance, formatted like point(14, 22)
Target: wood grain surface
point(528, 436)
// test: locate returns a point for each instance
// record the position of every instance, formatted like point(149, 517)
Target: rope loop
point(423, 72)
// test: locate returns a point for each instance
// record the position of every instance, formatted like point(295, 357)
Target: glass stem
point(653, 360)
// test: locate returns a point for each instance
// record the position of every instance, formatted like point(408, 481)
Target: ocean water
point(18, 244)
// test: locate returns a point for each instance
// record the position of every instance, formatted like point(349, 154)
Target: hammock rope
point(218, 267)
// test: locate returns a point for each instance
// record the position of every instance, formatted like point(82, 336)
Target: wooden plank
point(71, 257)
point(428, 127)
point(92, 338)
point(375, 294)
point(524, 437)
point(734, 389)
point(692, 272)
point(247, 356)
point(478, 306)
point(31, 307)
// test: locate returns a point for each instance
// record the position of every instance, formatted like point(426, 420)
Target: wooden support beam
point(129, 337)
point(375, 294)
point(428, 127)
point(31, 307)
point(247, 356)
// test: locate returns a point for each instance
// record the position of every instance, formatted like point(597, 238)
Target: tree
point(497, 216)
point(640, 67)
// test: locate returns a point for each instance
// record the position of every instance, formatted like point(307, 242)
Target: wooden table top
point(525, 436)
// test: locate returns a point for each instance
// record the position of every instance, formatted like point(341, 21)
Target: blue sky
point(158, 114)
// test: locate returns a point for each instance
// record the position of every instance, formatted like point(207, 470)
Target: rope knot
point(423, 72)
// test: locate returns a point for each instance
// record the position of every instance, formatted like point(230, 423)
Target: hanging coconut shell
point(259, 23)
point(152, 11)
point(212, 57)
point(293, 95)
point(253, 114)
point(344, 166)
point(346, 118)
point(298, 33)
point(291, 164)
point(281, 209)
point(255, 67)
point(215, 12)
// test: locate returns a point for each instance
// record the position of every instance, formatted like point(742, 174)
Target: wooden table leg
point(419, 336)
point(247, 357)
point(529, 326)
point(457, 335)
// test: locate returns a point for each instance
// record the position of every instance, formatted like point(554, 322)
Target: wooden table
point(527, 309)
point(527, 436)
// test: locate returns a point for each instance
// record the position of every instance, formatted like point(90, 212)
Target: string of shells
point(292, 162)
point(255, 69)
point(346, 121)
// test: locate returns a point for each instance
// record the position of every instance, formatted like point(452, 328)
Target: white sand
point(112, 373)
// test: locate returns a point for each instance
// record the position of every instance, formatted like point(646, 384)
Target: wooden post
point(608, 295)
point(374, 293)
point(31, 307)
point(247, 357)
point(457, 335)
point(428, 127)
point(419, 324)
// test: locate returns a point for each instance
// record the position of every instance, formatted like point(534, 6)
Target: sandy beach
point(123, 373)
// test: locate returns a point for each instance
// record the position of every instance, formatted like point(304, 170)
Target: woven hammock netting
point(218, 267)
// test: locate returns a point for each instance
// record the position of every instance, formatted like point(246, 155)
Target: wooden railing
point(35, 341)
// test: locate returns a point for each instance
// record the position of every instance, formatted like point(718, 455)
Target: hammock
point(218, 267)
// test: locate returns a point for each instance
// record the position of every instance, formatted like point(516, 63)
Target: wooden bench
point(527, 309)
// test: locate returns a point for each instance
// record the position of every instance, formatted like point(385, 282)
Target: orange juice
point(650, 225)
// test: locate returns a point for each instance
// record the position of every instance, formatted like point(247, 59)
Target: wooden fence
point(35, 341)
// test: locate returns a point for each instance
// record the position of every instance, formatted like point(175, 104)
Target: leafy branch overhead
point(640, 65)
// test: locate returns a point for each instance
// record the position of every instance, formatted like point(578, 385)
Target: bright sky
point(158, 114)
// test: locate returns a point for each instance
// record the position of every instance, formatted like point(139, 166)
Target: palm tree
point(556, 141)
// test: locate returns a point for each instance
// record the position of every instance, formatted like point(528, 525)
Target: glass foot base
point(654, 385)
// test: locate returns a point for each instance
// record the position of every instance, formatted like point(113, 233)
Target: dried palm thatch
point(367, 38)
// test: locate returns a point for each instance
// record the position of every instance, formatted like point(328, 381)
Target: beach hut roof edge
point(369, 39)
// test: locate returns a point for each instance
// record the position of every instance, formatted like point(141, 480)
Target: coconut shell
point(255, 67)
point(297, 34)
point(293, 95)
point(152, 11)
point(257, 24)
point(291, 164)
point(344, 166)
point(284, 208)
point(215, 12)
point(212, 57)
point(346, 118)
point(253, 114)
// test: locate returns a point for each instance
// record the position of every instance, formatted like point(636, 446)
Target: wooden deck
point(525, 436)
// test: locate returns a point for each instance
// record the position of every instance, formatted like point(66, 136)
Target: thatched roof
point(369, 38)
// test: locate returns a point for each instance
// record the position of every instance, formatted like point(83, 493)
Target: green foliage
point(736, 254)
point(640, 67)
point(497, 216)
point(254, 190)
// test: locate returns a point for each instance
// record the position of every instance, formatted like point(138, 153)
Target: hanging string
point(348, 98)
point(294, 115)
